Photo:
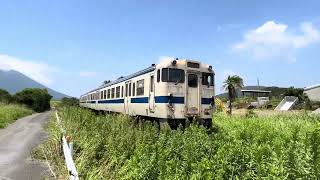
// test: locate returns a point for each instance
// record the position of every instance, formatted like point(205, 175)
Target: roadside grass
point(253, 147)
point(11, 112)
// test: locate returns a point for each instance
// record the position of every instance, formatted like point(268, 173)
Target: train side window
point(133, 89)
point(121, 91)
point(151, 83)
point(140, 87)
point(109, 94)
point(105, 94)
point(126, 90)
point(112, 93)
point(118, 92)
point(158, 75)
point(101, 94)
point(208, 79)
point(129, 89)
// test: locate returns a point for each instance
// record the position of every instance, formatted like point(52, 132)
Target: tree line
point(34, 98)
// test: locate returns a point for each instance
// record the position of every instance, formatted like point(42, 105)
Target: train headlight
point(174, 62)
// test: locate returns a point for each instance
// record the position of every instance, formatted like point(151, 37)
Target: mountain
point(14, 81)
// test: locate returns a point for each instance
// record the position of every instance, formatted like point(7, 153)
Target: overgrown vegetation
point(34, 98)
point(69, 101)
point(11, 112)
point(252, 147)
point(5, 96)
point(13, 107)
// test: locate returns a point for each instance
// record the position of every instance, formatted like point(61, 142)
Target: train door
point(151, 94)
point(193, 94)
point(126, 98)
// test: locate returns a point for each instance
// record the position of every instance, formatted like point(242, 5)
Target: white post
point(71, 148)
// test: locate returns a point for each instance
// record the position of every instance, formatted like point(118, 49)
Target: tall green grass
point(11, 112)
point(113, 147)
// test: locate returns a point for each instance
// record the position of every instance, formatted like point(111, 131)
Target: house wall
point(313, 93)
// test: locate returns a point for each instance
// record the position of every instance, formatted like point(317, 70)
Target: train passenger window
point(112, 93)
point(208, 79)
point(192, 80)
point(105, 94)
point(109, 94)
point(133, 89)
point(121, 91)
point(101, 94)
point(158, 75)
point(151, 83)
point(126, 90)
point(129, 89)
point(172, 75)
point(140, 87)
point(118, 92)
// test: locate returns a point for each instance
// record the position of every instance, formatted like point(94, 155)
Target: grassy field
point(112, 147)
point(11, 112)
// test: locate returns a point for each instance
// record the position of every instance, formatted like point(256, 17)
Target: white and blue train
point(173, 90)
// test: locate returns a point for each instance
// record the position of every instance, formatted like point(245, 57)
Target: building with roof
point(255, 93)
point(313, 92)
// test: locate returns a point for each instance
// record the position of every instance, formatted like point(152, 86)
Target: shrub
point(69, 101)
point(11, 112)
point(5, 96)
point(34, 98)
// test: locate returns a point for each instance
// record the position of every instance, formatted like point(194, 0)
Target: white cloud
point(273, 40)
point(87, 74)
point(36, 70)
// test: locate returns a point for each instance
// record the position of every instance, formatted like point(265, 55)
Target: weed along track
point(113, 147)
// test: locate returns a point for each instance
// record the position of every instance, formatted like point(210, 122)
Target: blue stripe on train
point(140, 100)
point(206, 100)
point(165, 99)
point(112, 101)
point(158, 99)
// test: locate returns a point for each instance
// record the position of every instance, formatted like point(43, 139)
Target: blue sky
point(72, 46)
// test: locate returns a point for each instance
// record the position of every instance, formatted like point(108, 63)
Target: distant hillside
point(275, 91)
point(14, 81)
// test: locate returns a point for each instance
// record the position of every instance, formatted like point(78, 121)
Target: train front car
point(185, 90)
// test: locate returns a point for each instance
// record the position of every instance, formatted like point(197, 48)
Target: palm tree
point(231, 84)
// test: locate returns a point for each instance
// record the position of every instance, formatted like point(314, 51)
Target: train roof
point(121, 79)
point(144, 71)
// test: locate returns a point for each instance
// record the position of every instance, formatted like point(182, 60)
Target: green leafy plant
point(113, 147)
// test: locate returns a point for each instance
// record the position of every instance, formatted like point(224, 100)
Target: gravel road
point(16, 144)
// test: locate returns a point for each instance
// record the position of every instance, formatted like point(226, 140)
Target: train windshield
point(208, 79)
point(172, 75)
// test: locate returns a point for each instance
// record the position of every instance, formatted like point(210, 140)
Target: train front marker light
point(174, 63)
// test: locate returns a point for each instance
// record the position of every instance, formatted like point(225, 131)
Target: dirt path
point(16, 144)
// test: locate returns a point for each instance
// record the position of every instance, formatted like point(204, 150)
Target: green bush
point(113, 147)
point(10, 113)
point(5, 96)
point(69, 101)
point(34, 98)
